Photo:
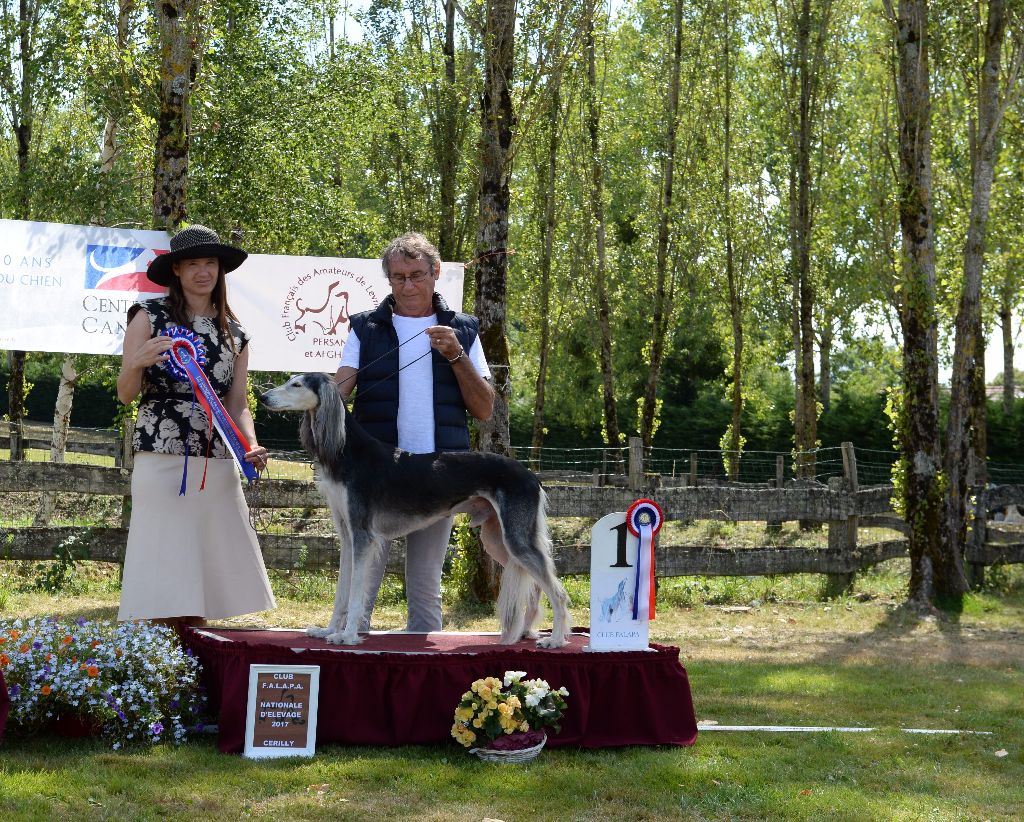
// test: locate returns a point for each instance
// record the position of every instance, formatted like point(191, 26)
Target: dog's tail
point(518, 590)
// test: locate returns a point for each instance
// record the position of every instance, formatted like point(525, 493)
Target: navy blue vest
point(376, 398)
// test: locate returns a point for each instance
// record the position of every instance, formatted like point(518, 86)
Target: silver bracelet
point(457, 357)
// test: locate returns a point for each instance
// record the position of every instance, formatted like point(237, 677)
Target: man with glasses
point(417, 368)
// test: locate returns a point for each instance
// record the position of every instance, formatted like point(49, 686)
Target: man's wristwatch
point(457, 357)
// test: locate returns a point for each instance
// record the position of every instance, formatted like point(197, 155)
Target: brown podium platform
point(402, 689)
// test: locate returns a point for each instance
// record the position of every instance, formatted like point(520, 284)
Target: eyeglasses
point(415, 278)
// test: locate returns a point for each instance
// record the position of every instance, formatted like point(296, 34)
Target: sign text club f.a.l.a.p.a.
point(281, 713)
point(622, 577)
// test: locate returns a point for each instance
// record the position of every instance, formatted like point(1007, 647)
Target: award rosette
point(644, 519)
point(187, 355)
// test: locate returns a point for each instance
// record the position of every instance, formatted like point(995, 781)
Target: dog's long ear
point(306, 433)
point(329, 422)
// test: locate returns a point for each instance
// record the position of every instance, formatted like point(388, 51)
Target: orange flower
point(74, 659)
point(118, 652)
point(3, 639)
point(15, 634)
point(92, 670)
point(4, 659)
point(66, 640)
point(45, 690)
point(49, 657)
point(95, 642)
point(24, 648)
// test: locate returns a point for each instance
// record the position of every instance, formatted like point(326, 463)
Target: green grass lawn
point(758, 651)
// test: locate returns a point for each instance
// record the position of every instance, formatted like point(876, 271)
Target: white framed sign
point(280, 715)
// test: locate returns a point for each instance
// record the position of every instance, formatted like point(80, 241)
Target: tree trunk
point(108, 146)
point(735, 308)
point(596, 162)
point(546, 183)
point(662, 307)
point(28, 14)
point(61, 420)
point(16, 401)
point(802, 70)
point(794, 322)
point(22, 119)
point(179, 65)
point(919, 418)
point(1006, 324)
point(964, 407)
point(825, 378)
point(496, 128)
point(807, 434)
point(979, 424)
point(69, 370)
point(449, 147)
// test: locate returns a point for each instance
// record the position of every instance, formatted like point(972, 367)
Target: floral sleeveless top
point(168, 421)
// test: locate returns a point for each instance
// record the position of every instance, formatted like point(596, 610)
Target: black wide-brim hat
point(189, 243)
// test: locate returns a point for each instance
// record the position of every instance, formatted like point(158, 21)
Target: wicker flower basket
point(510, 757)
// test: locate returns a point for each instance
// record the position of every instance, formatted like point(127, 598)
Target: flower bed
point(130, 681)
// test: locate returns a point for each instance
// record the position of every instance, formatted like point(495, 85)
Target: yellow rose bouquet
point(508, 715)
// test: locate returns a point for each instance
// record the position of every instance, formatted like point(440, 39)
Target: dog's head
point(322, 431)
point(303, 392)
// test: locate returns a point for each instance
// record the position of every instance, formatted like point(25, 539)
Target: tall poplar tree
point(965, 428)
point(661, 310)
point(595, 168)
point(918, 425)
point(180, 53)
point(34, 60)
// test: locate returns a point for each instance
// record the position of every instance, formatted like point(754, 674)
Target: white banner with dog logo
point(67, 288)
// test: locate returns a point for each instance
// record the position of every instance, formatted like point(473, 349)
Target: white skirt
point(191, 555)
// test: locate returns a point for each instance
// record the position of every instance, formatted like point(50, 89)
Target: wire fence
point(577, 460)
point(676, 465)
point(710, 465)
point(1002, 473)
point(874, 466)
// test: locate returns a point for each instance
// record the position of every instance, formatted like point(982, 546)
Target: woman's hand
point(152, 352)
point(258, 457)
point(141, 349)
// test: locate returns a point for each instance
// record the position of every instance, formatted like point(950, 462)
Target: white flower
point(513, 676)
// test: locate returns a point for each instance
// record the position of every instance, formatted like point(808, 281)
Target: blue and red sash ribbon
point(187, 355)
point(644, 519)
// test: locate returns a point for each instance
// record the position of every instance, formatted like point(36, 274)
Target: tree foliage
point(640, 285)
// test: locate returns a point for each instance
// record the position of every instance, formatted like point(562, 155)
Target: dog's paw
point(341, 638)
point(317, 632)
point(531, 634)
point(552, 642)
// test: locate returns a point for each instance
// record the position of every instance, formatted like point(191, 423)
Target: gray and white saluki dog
point(377, 492)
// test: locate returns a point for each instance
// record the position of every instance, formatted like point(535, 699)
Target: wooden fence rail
point(840, 505)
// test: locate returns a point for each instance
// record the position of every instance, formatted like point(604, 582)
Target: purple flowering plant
point(131, 681)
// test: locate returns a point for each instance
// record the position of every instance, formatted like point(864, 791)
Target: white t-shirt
point(416, 379)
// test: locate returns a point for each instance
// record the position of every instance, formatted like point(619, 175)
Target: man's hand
point(444, 341)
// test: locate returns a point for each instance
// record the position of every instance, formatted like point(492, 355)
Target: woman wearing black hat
point(193, 555)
